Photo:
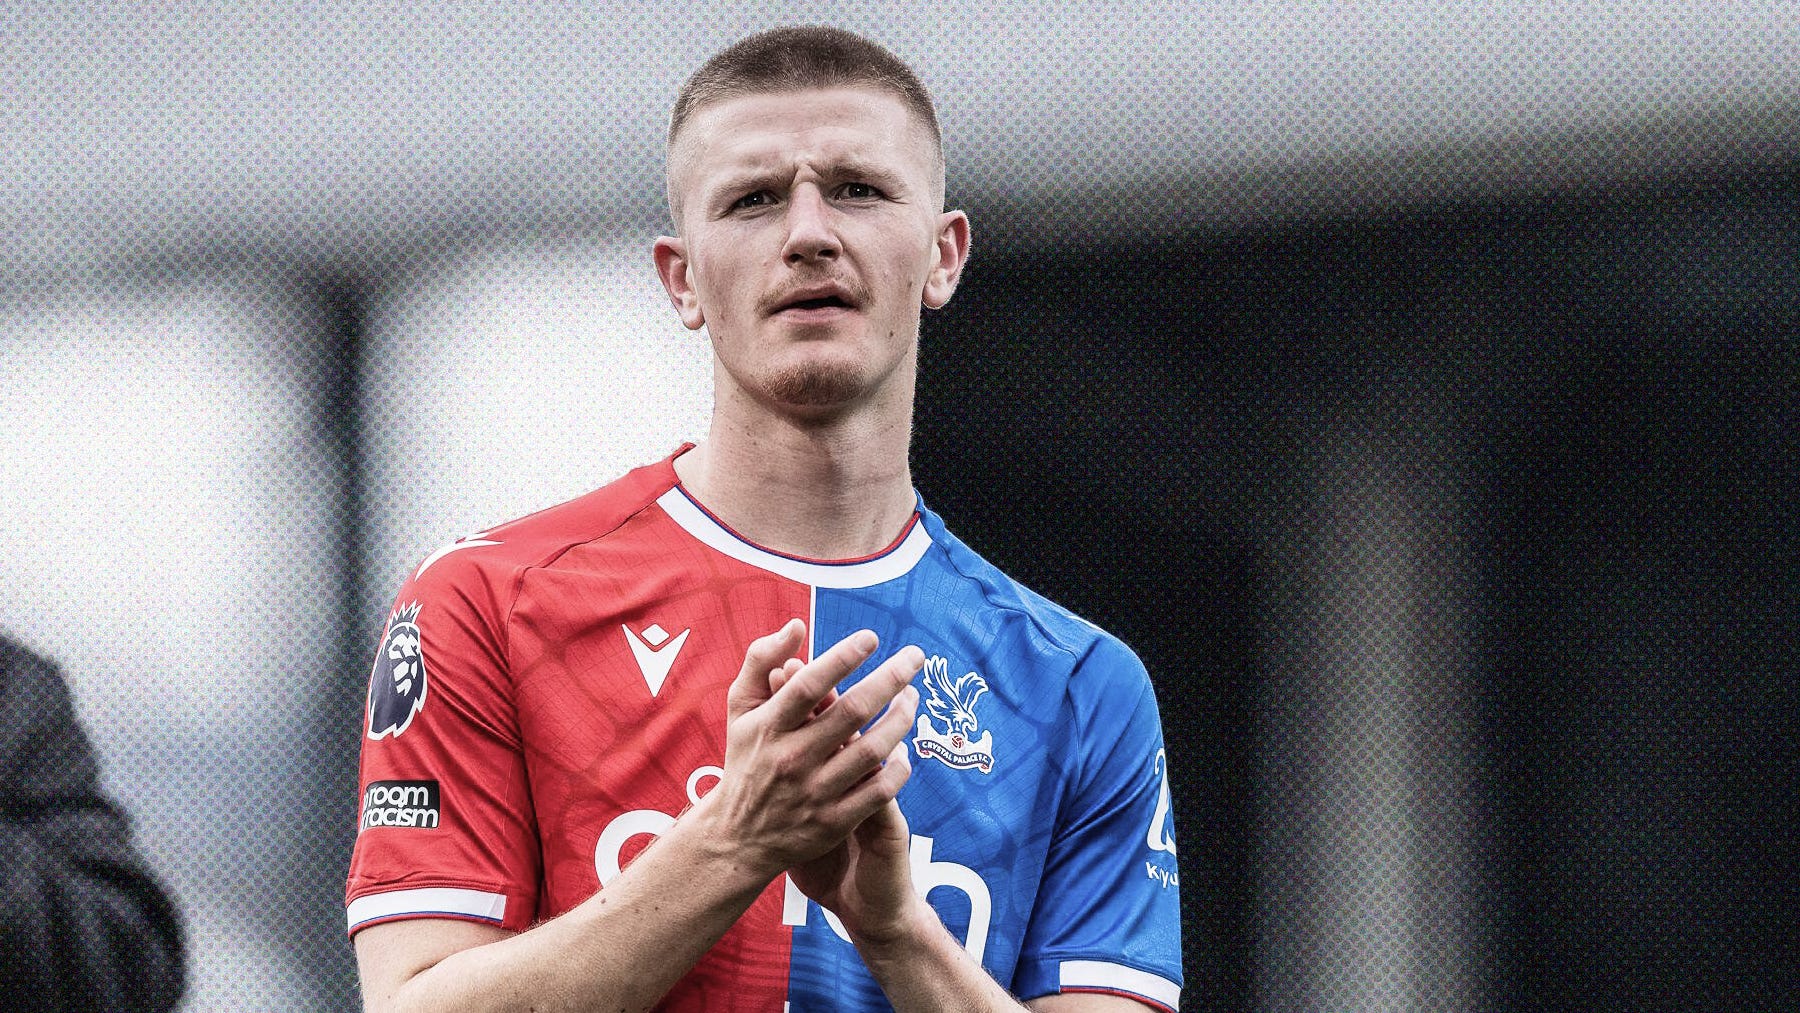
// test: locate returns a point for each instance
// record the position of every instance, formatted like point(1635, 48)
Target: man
point(595, 779)
point(83, 926)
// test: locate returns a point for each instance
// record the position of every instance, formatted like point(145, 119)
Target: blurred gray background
point(1413, 385)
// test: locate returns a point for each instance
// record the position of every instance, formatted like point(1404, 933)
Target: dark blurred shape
point(1611, 377)
point(83, 926)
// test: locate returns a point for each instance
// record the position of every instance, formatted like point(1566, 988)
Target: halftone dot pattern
point(377, 133)
point(508, 380)
point(1369, 893)
point(293, 295)
point(161, 454)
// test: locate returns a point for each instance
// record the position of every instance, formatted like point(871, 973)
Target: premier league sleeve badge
point(397, 685)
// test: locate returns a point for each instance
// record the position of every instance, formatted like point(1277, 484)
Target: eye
point(759, 199)
point(858, 191)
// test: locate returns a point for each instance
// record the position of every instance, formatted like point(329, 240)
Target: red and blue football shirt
point(549, 694)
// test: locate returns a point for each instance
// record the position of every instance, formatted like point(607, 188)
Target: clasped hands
point(810, 782)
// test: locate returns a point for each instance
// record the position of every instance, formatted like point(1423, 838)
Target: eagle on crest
point(953, 703)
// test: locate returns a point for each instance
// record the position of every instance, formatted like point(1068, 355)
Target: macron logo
point(655, 653)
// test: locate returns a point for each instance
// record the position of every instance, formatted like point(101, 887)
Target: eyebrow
point(870, 171)
point(835, 171)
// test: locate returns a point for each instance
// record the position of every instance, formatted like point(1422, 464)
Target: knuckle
point(893, 778)
point(885, 736)
point(866, 753)
point(857, 708)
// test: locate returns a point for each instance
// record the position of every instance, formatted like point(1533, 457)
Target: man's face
point(811, 236)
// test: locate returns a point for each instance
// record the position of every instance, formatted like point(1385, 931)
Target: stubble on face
point(813, 385)
point(815, 371)
point(820, 383)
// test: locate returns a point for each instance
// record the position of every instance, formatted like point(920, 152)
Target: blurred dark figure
point(82, 924)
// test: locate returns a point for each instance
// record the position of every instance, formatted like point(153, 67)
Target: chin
point(817, 385)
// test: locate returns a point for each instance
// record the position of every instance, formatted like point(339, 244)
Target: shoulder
point(496, 553)
point(1105, 701)
point(29, 682)
point(43, 749)
point(16, 658)
point(1053, 628)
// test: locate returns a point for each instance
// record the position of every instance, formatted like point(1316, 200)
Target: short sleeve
point(1108, 916)
point(445, 819)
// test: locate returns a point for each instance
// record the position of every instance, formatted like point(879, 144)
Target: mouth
point(822, 301)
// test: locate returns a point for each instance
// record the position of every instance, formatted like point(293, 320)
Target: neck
point(831, 488)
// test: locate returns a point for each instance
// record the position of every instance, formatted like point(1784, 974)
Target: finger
point(794, 704)
point(858, 705)
point(878, 790)
point(862, 756)
point(779, 677)
point(765, 654)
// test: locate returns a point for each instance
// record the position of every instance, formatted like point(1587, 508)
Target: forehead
point(771, 131)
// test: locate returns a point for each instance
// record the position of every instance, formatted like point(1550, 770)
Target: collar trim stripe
point(897, 561)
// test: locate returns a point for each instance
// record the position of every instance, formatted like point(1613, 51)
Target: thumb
point(766, 654)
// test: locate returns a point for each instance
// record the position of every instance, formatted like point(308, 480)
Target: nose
point(811, 233)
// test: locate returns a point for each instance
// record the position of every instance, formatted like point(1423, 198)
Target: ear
point(670, 255)
point(952, 254)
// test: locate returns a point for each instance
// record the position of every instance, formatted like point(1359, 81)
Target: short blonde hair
point(802, 58)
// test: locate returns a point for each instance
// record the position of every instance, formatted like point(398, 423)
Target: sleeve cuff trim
point(431, 902)
point(1100, 976)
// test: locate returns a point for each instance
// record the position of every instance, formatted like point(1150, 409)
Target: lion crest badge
point(952, 702)
point(397, 685)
